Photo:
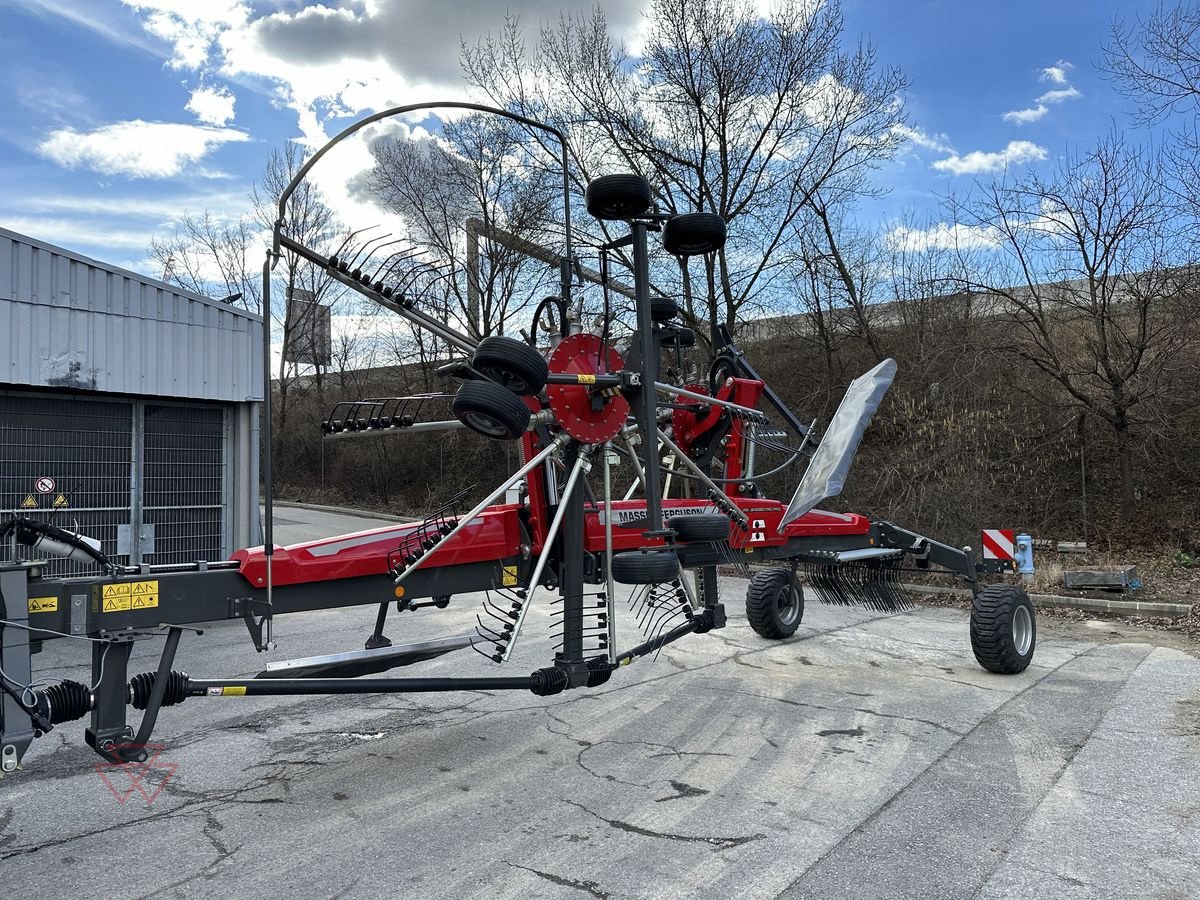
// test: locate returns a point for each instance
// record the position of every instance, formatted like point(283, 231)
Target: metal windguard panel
point(69, 321)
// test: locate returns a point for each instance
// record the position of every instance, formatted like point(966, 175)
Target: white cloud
point(1025, 116)
point(136, 148)
point(71, 232)
point(159, 208)
point(1067, 93)
point(942, 236)
point(191, 27)
point(1057, 73)
point(329, 61)
point(914, 134)
point(213, 106)
point(977, 161)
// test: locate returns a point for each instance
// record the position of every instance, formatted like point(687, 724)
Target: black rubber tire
point(512, 363)
point(663, 309)
point(617, 196)
point(645, 567)
point(681, 337)
point(722, 367)
point(704, 528)
point(491, 410)
point(775, 603)
point(993, 638)
point(693, 234)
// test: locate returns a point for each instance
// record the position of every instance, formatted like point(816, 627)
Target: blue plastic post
point(1024, 556)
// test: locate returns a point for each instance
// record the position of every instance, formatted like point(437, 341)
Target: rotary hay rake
point(580, 406)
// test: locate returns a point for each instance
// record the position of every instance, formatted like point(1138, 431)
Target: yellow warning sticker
point(43, 604)
point(586, 379)
point(233, 692)
point(128, 595)
point(60, 501)
point(508, 576)
point(29, 502)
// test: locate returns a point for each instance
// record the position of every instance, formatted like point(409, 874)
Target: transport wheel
point(722, 369)
point(700, 529)
point(679, 336)
point(663, 309)
point(1003, 629)
point(645, 567)
point(617, 196)
point(693, 234)
point(491, 410)
point(512, 363)
point(774, 603)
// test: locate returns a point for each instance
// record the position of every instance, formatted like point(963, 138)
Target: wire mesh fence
point(183, 493)
point(147, 480)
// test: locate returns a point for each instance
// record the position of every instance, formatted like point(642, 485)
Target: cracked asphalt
point(868, 756)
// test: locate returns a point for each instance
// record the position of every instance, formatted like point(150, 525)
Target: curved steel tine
point(380, 274)
point(354, 259)
point(662, 616)
point(499, 638)
point(372, 278)
point(646, 613)
point(637, 599)
point(375, 249)
point(351, 236)
point(493, 612)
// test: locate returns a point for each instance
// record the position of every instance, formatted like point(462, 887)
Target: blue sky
point(119, 115)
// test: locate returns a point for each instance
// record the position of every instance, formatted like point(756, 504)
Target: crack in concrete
point(895, 797)
point(721, 843)
point(863, 710)
point(588, 887)
point(842, 732)
point(193, 802)
point(682, 790)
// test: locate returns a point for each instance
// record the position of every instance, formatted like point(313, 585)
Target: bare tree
point(1089, 275)
point(1157, 60)
point(754, 119)
point(223, 258)
point(209, 255)
point(470, 200)
point(1156, 63)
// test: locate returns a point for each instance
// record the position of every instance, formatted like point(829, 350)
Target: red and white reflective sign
point(998, 543)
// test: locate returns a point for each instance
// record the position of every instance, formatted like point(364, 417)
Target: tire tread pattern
point(645, 567)
point(991, 629)
point(761, 609)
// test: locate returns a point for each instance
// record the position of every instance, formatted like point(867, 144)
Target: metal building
point(128, 407)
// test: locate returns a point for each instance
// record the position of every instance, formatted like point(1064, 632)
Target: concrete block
point(1114, 580)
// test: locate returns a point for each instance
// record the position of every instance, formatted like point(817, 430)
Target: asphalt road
point(868, 756)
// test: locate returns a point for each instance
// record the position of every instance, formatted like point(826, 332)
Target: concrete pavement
point(867, 756)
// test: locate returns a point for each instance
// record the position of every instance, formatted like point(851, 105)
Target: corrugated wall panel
point(69, 321)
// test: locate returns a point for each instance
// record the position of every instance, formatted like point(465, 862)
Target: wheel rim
point(484, 424)
point(786, 606)
point(1022, 629)
point(510, 380)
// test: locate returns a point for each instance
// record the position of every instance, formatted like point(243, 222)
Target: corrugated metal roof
point(70, 321)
